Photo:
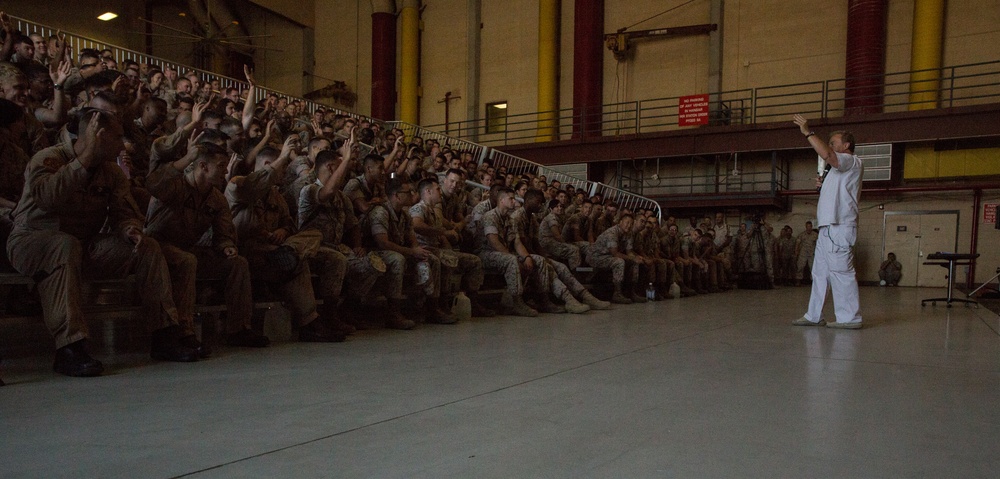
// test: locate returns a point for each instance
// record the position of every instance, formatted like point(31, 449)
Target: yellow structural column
point(925, 54)
point(409, 83)
point(548, 70)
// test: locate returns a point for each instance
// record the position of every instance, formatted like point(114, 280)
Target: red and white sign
point(990, 213)
point(692, 110)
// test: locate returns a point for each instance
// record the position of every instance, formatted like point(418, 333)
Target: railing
point(517, 165)
point(960, 85)
point(121, 54)
point(706, 177)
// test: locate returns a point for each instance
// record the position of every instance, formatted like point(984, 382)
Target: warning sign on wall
point(990, 213)
point(692, 110)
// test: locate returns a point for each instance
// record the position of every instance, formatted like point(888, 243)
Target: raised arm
point(822, 149)
point(249, 104)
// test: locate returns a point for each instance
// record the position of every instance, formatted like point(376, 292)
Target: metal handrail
point(971, 83)
point(520, 165)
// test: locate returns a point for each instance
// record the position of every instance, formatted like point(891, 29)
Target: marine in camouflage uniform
point(469, 266)
point(368, 189)
point(647, 244)
point(805, 250)
point(608, 252)
point(264, 225)
point(550, 239)
point(578, 229)
point(334, 218)
point(494, 232)
point(785, 257)
point(562, 284)
point(670, 247)
point(454, 207)
point(390, 233)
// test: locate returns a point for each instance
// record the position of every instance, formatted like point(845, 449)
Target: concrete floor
point(711, 386)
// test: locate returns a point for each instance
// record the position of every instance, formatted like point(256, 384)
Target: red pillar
point(384, 63)
point(588, 67)
point(866, 44)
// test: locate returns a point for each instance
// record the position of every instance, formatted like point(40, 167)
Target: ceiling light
point(107, 16)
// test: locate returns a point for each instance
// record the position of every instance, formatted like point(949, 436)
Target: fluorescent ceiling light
point(501, 106)
point(107, 16)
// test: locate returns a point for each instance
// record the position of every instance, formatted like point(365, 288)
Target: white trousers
point(834, 266)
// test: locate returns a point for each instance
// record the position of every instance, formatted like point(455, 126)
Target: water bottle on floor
point(462, 307)
point(651, 292)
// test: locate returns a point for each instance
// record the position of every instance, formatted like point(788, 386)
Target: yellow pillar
point(928, 38)
point(409, 84)
point(548, 70)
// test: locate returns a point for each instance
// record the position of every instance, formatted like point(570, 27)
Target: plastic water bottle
point(651, 292)
point(461, 308)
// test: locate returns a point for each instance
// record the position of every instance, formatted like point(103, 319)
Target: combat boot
point(619, 298)
point(545, 305)
point(574, 306)
point(434, 315)
point(478, 310)
point(514, 306)
point(395, 319)
point(593, 302)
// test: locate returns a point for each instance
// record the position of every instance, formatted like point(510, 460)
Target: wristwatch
point(811, 133)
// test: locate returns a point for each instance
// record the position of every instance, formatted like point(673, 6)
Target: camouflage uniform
point(333, 218)
point(601, 258)
point(382, 219)
point(806, 244)
point(470, 267)
point(359, 188)
point(474, 227)
point(644, 244)
point(259, 210)
point(578, 225)
point(57, 237)
point(558, 277)
point(179, 216)
point(785, 261)
point(602, 223)
point(455, 206)
point(554, 246)
point(494, 222)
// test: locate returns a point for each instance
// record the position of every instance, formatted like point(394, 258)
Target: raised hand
point(197, 110)
point(59, 73)
point(193, 140)
point(91, 138)
point(290, 143)
point(6, 24)
point(348, 147)
point(802, 123)
point(249, 74)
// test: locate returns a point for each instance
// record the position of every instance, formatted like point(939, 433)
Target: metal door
point(912, 235)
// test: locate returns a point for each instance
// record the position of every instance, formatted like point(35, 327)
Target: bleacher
point(115, 299)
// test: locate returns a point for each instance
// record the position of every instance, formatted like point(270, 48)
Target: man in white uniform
point(837, 215)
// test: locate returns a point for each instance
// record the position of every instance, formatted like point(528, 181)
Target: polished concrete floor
point(711, 386)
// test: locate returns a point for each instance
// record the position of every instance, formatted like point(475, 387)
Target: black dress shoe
point(247, 339)
point(73, 360)
point(317, 332)
point(191, 341)
point(165, 345)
